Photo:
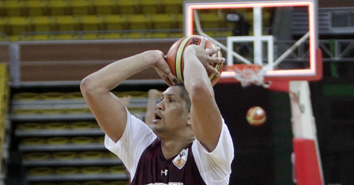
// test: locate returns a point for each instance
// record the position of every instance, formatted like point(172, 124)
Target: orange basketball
point(175, 56)
point(256, 116)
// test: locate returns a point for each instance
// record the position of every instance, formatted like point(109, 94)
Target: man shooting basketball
point(187, 143)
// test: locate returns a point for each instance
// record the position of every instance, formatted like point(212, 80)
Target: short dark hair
point(184, 94)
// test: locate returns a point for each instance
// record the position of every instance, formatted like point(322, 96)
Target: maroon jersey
point(179, 170)
point(140, 151)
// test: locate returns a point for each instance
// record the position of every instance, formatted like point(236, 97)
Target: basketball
point(175, 56)
point(256, 116)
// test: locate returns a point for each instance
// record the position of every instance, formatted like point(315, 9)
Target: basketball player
point(188, 142)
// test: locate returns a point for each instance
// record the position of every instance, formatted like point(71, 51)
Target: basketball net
point(247, 74)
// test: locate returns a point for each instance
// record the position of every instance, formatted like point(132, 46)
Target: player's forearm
point(195, 75)
point(115, 73)
point(205, 115)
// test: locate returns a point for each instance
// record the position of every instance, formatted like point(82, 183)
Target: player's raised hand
point(207, 56)
point(163, 70)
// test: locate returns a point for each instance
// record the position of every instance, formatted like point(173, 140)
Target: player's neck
point(173, 147)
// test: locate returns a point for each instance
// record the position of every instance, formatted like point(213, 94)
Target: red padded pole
point(306, 162)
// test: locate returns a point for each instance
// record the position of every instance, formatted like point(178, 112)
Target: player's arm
point(108, 110)
point(205, 115)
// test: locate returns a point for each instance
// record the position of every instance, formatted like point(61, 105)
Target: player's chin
point(156, 121)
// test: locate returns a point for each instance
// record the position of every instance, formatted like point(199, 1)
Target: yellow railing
point(4, 98)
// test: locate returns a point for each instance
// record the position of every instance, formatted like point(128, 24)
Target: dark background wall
point(253, 145)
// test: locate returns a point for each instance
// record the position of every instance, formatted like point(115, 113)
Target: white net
point(249, 75)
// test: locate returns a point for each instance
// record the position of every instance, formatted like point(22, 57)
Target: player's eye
point(172, 100)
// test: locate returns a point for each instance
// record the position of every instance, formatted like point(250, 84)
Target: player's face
point(171, 112)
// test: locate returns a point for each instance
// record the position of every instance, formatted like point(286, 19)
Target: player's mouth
point(157, 117)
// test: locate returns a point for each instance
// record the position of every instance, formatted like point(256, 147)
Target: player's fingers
point(211, 69)
point(219, 59)
point(167, 80)
point(173, 79)
point(202, 43)
point(213, 51)
point(168, 74)
point(216, 60)
point(170, 80)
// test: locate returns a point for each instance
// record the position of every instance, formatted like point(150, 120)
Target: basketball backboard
point(260, 32)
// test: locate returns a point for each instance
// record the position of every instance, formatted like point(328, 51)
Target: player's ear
point(189, 120)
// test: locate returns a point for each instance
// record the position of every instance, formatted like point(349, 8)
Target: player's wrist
point(153, 56)
point(190, 50)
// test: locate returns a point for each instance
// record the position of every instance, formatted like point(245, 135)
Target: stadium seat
point(139, 22)
point(36, 155)
point(172, 6)
point(149, 6)
point(55, 125)
point(179, 20)
point(90, 22)
point(89, 36)
point(176, 34)
point(2, 9)
point(127, 6)
point(114, 22)
point(52, 95)
point(83, 125)
point(40, 171)
point(3, 23)
point(36, 8)
point(66, 23)
point(163, 21)
point(18, 25)
point(14, 8)
point(67, 170)
point(13, 38)
point(79, 7)
point(132, 35)
point(211, 20)
point(58, 7)
point(41, 23)
point(104, 7)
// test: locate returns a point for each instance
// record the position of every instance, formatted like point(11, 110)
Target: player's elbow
point(200, 90)
point(88, 86)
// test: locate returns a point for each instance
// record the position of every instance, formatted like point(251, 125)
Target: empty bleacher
point(38, 17)
point(33, 19)
point(60, 142)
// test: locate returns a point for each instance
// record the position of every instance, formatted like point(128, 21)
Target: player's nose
point(160, 106)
